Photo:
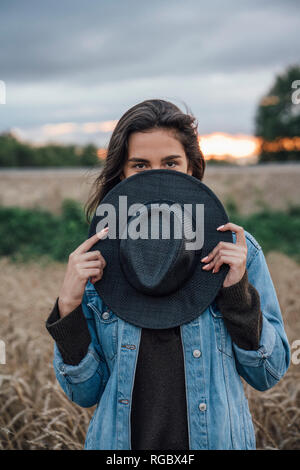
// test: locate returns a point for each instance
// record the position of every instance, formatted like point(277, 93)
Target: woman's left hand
point(234, 254)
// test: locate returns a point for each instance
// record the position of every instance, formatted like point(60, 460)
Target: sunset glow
point(220, 145)
point(235, 148)
point(101, 154)
point(287, 144)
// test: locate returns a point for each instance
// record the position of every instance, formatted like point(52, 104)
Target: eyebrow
point(145, 160)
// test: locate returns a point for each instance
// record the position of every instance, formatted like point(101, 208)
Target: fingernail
point(205, 257)
point(221, 226)
point(102, 232)
point(205, 266)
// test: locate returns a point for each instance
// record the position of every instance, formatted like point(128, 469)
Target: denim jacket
point(218, 412)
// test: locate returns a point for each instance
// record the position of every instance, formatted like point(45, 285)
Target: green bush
point(33, 233)
point(37, 234)
point(274, 230)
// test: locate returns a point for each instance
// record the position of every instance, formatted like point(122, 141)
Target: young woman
point(177, 388)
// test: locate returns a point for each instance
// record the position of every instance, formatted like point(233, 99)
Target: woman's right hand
point(82, 265)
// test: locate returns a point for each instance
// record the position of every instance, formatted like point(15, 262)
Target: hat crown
point(157, 266)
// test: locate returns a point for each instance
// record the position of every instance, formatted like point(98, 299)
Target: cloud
point(68, 61)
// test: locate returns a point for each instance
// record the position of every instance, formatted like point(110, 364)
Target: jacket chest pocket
point(107, 331)
point(223, 339)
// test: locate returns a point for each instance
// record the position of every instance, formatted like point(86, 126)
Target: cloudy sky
point(72, 68)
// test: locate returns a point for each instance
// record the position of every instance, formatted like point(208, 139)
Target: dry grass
point(35, 413)
point(250, 188)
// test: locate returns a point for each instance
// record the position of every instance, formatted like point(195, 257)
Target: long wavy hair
point(145, 116)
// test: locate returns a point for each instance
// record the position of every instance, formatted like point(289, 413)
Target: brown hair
point(144, 116)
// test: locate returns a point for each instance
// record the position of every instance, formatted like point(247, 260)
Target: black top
point(159, 407)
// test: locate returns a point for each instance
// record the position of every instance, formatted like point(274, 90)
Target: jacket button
point(202, 407)
point(105, 315)
point(196, 353)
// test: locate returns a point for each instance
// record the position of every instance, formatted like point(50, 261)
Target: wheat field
point(34, 412)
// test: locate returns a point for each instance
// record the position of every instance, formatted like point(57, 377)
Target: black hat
point(152, 280)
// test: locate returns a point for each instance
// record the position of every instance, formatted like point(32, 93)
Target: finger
point(91, 264)
point(220, 261)
point(230, 253)
point(220, 245)
point(237, 229)
point(87, 244)
point(94, 279)
point(92, 255)
point(228, 258)
point(90, 272)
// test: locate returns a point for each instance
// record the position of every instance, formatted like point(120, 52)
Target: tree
point(14, 153)
point(277, 120)
point(8, 150)
point(89, 155)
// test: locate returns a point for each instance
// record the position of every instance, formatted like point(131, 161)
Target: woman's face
point(155, 150)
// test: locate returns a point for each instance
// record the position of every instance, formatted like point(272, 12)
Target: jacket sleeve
point(264, 367)
point(83, 381)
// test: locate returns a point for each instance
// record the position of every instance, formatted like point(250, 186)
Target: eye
point(171, 164)
point(139, 166)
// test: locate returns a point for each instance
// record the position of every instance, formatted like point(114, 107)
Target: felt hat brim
point(199, 290)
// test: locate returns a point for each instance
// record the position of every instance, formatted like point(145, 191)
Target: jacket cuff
point(71, 334)
point(240, 307)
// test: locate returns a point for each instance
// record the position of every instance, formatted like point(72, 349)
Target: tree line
point(14, 153)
